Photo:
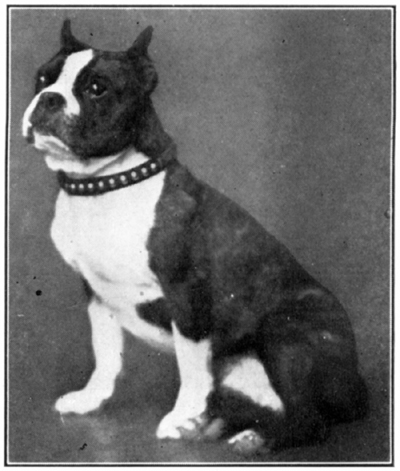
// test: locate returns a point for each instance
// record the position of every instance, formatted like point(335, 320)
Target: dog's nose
point(45, 109)
point(51, 101)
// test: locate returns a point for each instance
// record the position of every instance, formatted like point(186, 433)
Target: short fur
point(200, 271)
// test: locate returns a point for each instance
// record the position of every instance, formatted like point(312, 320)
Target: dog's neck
point(150, 136)
point(115, 172)
point(97, 167)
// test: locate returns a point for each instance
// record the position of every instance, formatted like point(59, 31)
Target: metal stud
point(138, 174)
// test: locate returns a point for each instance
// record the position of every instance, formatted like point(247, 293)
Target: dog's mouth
point(59, 156)
point(32, 129)
point(46, 136)
point(50, 144)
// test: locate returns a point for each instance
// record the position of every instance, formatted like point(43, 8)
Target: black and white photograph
point(199, 235)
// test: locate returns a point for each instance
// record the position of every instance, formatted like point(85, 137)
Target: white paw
point(80, 402)
point(176, 426)
point(247, 441)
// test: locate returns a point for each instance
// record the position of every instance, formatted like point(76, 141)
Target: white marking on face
point(64, 85)
point(53, 147)
point(249, 377)
point(194, 360)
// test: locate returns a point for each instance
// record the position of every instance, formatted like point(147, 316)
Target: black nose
point(51, 101)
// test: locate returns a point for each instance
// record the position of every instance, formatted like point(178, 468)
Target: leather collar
point(92, 186)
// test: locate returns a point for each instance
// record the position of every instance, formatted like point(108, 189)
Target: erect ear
point(144, 66)
point(139, 47)
point(68, 41)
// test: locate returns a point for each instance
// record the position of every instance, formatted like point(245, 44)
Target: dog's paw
point(80, 402)
point(176, 426)
point(247, 442)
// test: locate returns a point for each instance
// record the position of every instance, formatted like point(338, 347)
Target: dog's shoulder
point(193, 218)
point(193, 199)
point(203, 209)
point(182, 191)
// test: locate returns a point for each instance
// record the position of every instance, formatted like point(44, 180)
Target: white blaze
point(64, 86)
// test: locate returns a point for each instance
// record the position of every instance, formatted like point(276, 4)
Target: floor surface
point(123, 431)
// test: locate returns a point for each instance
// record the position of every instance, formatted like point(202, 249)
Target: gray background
point(286, 111)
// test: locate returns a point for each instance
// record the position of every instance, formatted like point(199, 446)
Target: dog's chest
point(104, 238)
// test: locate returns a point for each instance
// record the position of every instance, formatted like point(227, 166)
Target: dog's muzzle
point(47, 107)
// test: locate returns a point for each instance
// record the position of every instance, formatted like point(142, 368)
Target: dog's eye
point(96, 88)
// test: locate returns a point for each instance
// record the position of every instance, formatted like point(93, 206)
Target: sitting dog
point(266, 355)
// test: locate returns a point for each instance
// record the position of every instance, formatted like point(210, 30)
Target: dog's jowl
point(266, 354)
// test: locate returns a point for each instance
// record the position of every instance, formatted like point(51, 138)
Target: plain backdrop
point(288, 112)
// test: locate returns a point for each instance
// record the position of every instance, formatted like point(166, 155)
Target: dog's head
point(88, 102)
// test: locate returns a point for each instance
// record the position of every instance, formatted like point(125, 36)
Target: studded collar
point(93, 186)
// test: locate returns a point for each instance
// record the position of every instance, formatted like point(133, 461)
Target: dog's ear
point(148, 75)
point(139, 47)
point(144, 66)
point(68, 42)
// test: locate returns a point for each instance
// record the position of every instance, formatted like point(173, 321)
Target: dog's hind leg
point(107, 339)
point(294, 375)
point(189, 413)
point(246, 375)
point(246, 402)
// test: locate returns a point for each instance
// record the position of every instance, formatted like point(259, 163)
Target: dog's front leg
point(194, 362)
point(107, 339)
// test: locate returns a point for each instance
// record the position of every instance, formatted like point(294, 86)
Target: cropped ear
point(141, 44)
point(68, 42)
point(144, 66)
point(148, 76)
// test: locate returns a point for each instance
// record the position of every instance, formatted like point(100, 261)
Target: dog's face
point(88, 102)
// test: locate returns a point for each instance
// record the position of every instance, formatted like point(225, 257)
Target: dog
point(266, 355)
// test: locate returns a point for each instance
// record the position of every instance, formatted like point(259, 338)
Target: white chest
point(104, 238)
